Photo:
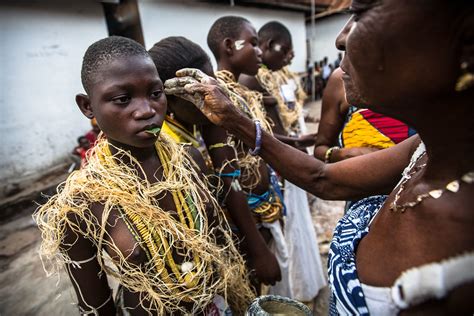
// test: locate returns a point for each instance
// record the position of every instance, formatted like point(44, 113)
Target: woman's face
point(396, 51)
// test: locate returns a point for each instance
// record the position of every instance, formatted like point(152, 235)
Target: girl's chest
point(134, 235)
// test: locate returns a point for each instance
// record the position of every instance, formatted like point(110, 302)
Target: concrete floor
point(25, 289)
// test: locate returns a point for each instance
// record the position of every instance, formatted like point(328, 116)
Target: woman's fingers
point(197, 75)
point(179, 82)
point(194, 88)
point(175, 91)
point(191, 72)
point(202, 90)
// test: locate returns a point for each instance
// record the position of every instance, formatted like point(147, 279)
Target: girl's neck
point(149, 167)
point(225, 65)
point(140, 154)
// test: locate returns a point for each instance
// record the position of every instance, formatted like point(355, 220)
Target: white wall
point(163, 18)
point(325, 33)
point(40, 59)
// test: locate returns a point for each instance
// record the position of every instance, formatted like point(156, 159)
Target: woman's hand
point(206, 93)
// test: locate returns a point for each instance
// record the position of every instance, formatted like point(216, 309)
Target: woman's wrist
point(241, 127)
point(258, 139)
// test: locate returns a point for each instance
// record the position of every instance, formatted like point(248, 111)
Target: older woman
point(412, 252)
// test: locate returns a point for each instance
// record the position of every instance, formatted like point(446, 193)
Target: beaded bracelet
point(258, 139)
point(328, 154)
point(234, 174)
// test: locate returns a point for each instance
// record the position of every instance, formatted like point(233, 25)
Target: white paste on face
point(239, 44)
point(277, 48)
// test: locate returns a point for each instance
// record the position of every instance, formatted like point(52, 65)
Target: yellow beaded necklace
point(208, 267)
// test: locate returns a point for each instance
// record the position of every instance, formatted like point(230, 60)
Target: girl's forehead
point(129, 65)
point(247, 29)
point(126, 72)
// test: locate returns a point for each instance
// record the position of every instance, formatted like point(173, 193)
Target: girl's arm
point(91, 286)
point(224, 161)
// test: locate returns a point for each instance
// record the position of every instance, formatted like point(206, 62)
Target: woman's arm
point(370, 174)
point(91, 286)
point(373, 173)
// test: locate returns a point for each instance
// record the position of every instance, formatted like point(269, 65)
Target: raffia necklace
point(249, 101)
point(268, 80)
point(452, 186)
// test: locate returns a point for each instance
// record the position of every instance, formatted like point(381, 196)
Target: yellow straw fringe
point(272, 81)
point(110, 181)
point(251, 103)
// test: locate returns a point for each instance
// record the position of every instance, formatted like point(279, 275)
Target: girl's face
point(277, 54)
point(127, 99)
point(247, 55)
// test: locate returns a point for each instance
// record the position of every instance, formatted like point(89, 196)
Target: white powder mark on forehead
point(239, 44)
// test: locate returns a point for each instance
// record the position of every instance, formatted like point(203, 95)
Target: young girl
point(139, 211)
point(184, 120)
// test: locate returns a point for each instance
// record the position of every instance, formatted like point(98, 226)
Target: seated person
point(345, 131)
point(79, 152)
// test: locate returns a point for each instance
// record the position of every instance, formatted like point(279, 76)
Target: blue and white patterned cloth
point(347, 297)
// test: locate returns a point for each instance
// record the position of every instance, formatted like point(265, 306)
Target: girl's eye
point(122, 99)
point(157, 93)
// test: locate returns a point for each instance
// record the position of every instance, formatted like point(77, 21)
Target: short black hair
point(274, 31)
point(177, 52)
point(103, 52)
point(226, 26)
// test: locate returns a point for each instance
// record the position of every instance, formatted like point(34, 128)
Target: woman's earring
point(465, 80)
